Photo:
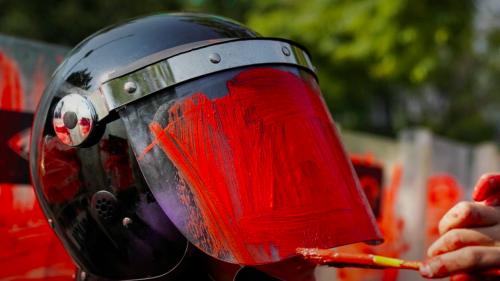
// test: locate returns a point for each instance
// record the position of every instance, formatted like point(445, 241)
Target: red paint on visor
point(266, 168)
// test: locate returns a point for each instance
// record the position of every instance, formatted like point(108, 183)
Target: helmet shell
point(169, 163)
point(95, 196)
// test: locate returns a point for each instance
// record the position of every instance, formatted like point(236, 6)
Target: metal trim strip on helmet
point(199, 62)
point(163, 73)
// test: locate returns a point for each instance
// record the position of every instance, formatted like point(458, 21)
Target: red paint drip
point(11, 92)
point(266, 168)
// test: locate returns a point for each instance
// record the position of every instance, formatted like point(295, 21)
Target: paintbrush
point(336, 259)
point(331, 258)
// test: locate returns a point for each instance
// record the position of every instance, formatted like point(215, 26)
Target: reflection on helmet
point(60, 171)
point(177, 130)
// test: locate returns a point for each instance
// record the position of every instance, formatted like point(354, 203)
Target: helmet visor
point(248, 165)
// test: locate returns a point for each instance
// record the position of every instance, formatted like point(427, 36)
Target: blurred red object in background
point(29, 248)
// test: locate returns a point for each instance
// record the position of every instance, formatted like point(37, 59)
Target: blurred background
point(413, 85)
point(383, 65)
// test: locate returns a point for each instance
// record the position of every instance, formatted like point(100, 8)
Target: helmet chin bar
point(77, 116)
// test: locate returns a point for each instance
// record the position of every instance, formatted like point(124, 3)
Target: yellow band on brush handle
point(389, 262)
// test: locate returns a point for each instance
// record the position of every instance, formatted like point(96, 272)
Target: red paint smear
point(30, 250)
point(442, 269)
point(266, 168)
point(391, 224)
point(487, 188)
point(62, 133)
point(11, 92)
point(443, 192)
point(59, 172)
point(85, 126)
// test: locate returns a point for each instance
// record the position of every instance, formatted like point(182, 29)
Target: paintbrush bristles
point(415, 265)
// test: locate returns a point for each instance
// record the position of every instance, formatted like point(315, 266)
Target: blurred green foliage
point(383, 65)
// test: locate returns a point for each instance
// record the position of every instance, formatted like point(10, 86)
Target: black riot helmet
point(176, 130)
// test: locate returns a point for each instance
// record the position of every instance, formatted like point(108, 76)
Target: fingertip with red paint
point(433, 268)
point(425, 271)
point(488, 186)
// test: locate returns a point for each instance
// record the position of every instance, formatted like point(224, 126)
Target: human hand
point(469, 246)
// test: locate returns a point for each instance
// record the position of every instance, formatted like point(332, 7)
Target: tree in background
point(68, 22)
point(387, 65)
point(383, 65)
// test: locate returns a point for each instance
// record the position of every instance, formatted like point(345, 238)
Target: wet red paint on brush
point(266, 167)
point(333, 258)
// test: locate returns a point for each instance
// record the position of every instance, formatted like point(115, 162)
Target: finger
point(487, 186)
point(462, 237)
point(469, 214)
point(463, 260)
point(493, 200)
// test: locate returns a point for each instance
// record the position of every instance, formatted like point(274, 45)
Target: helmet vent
point(104, 204)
